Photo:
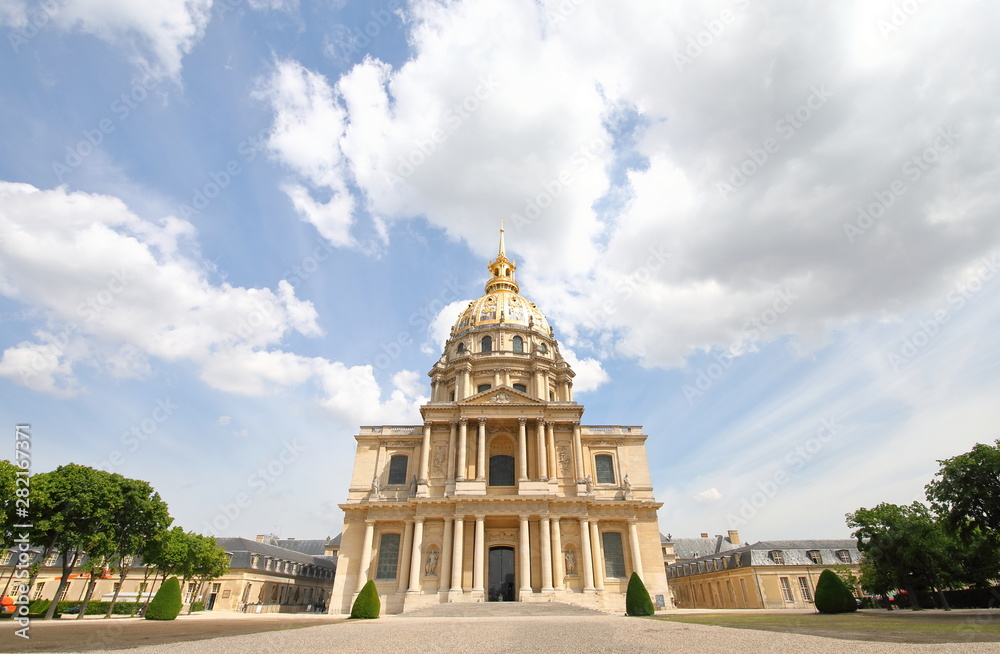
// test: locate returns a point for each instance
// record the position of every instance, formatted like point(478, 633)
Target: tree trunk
point(149, 595)
point(121, 584)
point(63, 581)
point(91, 583)
point(944, 600)
point(914, 601)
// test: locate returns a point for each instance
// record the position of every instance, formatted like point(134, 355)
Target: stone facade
point(501, 494)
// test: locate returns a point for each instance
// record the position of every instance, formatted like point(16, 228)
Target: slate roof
point(243, 548)
point(693, 548)
point(794, 552)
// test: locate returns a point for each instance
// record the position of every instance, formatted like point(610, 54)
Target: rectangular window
point(63, 594)
point(397, 469)
point(388, 556)
point(786, 589)
point(743, 587)
point(614, 557)
point(605, 467)
point(38, 590)
point(804, 587)
point(51, 560)
point(7, 556)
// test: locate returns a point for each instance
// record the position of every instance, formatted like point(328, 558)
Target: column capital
point(370, 521)
point(463, 421)
point(428, 423)
point(524, 517)
point(482, 420)
point(633, 521)
point(541, 421)
point(480, 516)
point(575, 423)
point(419, 520)
point(522, 420)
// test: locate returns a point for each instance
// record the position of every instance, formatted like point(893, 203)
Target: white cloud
point(708, 495)
point(156, 35)
point(498, 99)
point(224, 420)
point(120, 290)
point(590, 373)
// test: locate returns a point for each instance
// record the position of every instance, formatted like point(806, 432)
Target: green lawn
point(885, 626)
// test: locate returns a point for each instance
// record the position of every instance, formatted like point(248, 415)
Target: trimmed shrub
point(367, 605)
point(38, 607)
point(166, 603)
point(833, 595)
point(198, 606)
point(637, 601)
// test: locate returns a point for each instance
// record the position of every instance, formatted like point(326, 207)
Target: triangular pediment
point(501, 395)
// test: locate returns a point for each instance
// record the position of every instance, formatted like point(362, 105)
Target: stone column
point(550, 441)
point(545, 554)
point(478, 558)
point(425, 453)
point(558, 564)
point(481, 451)
point(587, 560)
point(366, 554)
point(403, 571)
point(522, 454)
point(496, 377)
point(543, 474)
point(524, 554)
point(633, 541)
point(415, 556)
point(540, 386)
point(598, 550)
point(457, 555)
point(452, 436)
point(463, 440)
point(444, 564)
point(578, 451)
point(506, 376)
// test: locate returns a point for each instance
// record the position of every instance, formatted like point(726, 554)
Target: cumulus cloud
point(156, 35)
point(814, 195)
point(119, 289)
point(708, 495)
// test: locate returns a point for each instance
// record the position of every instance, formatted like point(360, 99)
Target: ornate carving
point(440, 454)
point(402, 443)
point(564, 460)
point(522, 420)
point(501, 398)
point(496, 536)
point(606, 443)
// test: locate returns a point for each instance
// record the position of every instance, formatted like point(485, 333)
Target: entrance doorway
point(501, 584)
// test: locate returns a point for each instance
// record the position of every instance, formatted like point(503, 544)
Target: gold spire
point(502, 270)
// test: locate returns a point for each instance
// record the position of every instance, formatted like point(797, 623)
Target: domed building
point(501, 494)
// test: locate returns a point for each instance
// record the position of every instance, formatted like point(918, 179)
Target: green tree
point(907, 547)
point(206, 561)
point(833, 595)
point(966, 490)
point(72, 508)
point(367, 606)
point(142, 518)
point(168, 552)
point(167, 603)
point(637, 601)
point(8, 498)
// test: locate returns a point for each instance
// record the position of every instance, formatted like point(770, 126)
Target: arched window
point(521, 387)
point(487, 344)
point(604, 465)
point(483, 387)
point(460, 349)
point(518, 344)
point(542, 348)
point(501, 470)
point(397, 469)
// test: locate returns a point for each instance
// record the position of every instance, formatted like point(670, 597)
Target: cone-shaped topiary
point(833, 595)
point(367, 605)
point(637, 600)
point(166, 603)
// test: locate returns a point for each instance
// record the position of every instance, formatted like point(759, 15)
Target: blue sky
point(231, 233)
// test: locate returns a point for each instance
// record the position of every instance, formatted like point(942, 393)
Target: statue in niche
point(570, 556)
point(430, 568)
point(413, 485)
point(627, 487)
point(589, 481)
point(376, 493)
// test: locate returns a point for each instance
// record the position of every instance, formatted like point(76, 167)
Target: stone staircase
point(499, 610)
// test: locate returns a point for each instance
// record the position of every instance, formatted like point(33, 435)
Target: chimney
point(704, 535)
point(260, 538)
point(734, 537)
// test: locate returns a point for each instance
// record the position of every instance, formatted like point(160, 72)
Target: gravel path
point(537, 635)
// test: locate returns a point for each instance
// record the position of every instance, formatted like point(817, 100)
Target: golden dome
point(502, 305)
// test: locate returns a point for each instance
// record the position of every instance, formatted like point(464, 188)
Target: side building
point(265, 575)
point(501, 494)
point(780, 574)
